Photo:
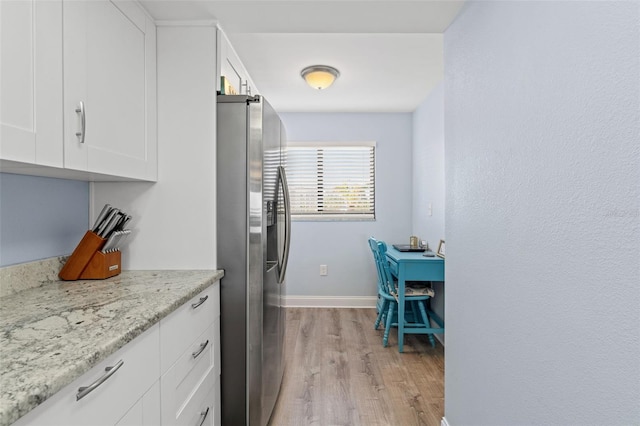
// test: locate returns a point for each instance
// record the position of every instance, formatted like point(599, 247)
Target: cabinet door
point(146, 412)
point(31, 81)
point(109, 89)
point(231, 67)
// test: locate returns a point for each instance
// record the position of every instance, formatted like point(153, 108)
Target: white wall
point(174, 219)
point(343, 245)
point(542, 142)
point(428, 179)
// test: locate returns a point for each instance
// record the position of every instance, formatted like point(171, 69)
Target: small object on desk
point(407, 247)
point(413, 241)
point(429, 254)
point(440, 251)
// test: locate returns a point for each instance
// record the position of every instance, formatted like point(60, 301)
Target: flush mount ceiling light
point(319, 76)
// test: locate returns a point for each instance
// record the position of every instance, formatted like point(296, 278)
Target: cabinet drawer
point(109, 401)
point(185, 375)
point(181, 328)
point(203, 401)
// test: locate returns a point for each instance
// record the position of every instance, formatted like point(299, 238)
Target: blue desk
point(408, 266)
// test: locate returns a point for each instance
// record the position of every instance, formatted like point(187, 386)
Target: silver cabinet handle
point(204, 415)
point(80, 110)
point(109, 371)
point(200, 302)
point(197, 353)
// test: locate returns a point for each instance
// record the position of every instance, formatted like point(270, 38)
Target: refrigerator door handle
point(282, 177)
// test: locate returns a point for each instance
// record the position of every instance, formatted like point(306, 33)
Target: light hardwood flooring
point(338, 373)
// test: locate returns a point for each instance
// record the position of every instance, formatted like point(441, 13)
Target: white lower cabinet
point(200, 408)
point(132, 388)
point(146, 412)
point(190, 386)
point(112, 398)
point(182, 328)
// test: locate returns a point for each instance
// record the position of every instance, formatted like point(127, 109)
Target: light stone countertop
point(54, 333)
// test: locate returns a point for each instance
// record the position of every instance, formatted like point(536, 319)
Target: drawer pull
point(200, 302)
point(197, 353)
point(204, 415)
point(109, 371)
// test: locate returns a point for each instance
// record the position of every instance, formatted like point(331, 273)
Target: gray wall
point(542, 172)
point(428, 168)
point(343, 245)
point(40, 217)
point(428, 179)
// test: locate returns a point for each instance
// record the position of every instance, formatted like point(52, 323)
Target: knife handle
point(102, 227)
point(103, 214)
point(110, 227)
point(123, 223)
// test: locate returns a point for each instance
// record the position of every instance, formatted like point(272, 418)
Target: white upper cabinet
point(31, 82)
point(231, 67)
point(78, 89)
point(109, 89)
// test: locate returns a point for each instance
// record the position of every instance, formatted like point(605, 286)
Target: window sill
point(333, 218)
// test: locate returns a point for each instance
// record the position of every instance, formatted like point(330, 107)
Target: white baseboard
point(444, 422)
point(330, 301)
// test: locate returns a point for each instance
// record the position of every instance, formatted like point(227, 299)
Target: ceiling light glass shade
point(319, 76)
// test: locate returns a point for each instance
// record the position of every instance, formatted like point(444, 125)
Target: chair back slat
point(373, 245)
point(385, 278)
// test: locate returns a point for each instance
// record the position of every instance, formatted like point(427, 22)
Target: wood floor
point(338, 373)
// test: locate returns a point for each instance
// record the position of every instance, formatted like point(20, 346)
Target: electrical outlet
point(430, 210)
point(324, 270)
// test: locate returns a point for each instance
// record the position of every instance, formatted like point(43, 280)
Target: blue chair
point(415, 297)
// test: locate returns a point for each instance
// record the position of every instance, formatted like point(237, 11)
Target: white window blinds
point(331, 180)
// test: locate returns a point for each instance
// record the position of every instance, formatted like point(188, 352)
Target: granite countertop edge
point(17, 400)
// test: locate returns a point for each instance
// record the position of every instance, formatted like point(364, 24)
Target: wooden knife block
point(87, 262)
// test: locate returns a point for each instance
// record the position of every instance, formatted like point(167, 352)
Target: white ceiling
point(389, 52)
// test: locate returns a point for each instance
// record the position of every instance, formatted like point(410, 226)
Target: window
point(334, 181)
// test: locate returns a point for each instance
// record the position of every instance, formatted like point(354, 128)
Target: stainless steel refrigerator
point(253, 233)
